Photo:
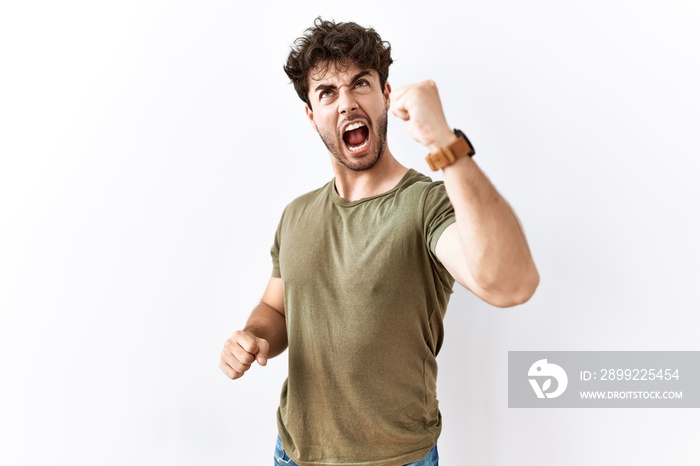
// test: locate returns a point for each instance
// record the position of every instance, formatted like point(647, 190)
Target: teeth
point(360, 147)
point(354, 126)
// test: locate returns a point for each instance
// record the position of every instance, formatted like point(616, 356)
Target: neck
point(383, 176)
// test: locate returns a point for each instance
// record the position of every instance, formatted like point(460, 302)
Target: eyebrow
point(326, 87)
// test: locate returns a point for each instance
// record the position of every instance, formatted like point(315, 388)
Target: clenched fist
point(240, 351)
point(420, 107)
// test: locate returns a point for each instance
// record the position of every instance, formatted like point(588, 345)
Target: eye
point(361, 83)
point(325, 94)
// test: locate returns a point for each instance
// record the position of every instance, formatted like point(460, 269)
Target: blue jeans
point(281, 458)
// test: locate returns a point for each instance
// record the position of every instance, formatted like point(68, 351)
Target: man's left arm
point(485, 250)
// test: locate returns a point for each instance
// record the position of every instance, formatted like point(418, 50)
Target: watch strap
point(448, 155)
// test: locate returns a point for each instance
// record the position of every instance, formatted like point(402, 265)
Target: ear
point(310, 116)
point(387, 94)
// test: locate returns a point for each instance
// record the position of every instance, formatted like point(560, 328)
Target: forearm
point(495, 248)
point(268, 323)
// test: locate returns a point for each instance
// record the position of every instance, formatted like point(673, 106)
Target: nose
point(346, 101)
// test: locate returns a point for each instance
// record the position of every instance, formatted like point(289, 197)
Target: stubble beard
point(333, 142)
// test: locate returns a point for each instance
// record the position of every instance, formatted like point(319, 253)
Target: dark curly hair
point(336, 44)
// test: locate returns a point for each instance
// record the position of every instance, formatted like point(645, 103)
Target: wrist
point(454, 148)
point(444, 139)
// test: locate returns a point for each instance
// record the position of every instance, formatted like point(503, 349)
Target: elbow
point(519, 292)
point(516, 298)
point(528, 287)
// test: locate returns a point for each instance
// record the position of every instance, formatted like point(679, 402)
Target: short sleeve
point(275, 250)
point(438, 214)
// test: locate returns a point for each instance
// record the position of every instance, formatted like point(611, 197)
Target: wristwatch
point(448, 155)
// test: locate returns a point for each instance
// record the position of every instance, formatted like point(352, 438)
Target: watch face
point(460, 134)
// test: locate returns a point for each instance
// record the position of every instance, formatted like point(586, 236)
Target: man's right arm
point(264, 336)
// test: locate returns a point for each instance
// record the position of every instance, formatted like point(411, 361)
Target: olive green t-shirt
point(365, 297)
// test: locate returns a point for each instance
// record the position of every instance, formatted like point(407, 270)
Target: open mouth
point(356, 136)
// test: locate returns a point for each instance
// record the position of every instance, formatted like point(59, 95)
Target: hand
point(240, 351)
point(419, 105)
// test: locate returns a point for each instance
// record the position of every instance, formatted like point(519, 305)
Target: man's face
point(349, 111)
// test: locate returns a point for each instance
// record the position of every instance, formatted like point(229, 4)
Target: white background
point(148, 149)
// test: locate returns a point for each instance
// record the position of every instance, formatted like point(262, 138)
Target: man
point(364, 266)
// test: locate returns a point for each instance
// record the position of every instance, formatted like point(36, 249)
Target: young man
point(364, 266)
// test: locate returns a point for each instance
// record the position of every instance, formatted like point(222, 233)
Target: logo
point(547, 371)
